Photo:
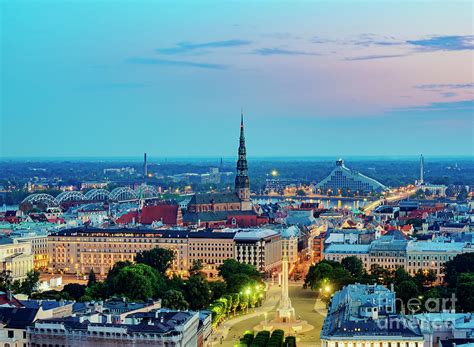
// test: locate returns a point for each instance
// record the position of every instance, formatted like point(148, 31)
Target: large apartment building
point(79, 250)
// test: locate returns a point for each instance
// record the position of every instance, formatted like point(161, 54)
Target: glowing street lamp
point(274, 173)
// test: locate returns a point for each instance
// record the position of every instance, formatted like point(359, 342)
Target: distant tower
point(422, 170)
point(242, 182)
point(145, 168)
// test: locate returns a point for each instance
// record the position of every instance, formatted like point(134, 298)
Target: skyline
point(157, 78)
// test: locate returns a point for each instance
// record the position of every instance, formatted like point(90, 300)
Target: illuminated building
point(15, 257)
point(342, 179)
point(211, 249)
point(80, 250)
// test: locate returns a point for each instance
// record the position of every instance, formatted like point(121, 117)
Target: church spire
point(242, 183)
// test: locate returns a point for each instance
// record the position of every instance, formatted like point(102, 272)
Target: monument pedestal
point(285, 318)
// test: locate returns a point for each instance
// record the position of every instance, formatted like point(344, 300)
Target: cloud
point(449, 94)
point(318, 39)
point(375, 40)
point(465, 105)
point(183, 47)
point(444, 43)
point(441, 86)
point(165, 62)
point(372, 57)
point(280, 51)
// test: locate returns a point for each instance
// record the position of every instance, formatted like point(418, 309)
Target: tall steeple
point(422, 170)
point(242, 182)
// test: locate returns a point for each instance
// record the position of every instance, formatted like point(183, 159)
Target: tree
point(29, 284)
point(461, 263)
point(174, 300)
point(327, 275)
point(465, 292)
point(424, 278)
point(231, 267)
point(196, 268)
point(197, 292)
point(136, 282)
point(74, 290)
point(401, 275)
point(158, 258)
point(407, 290)
point(235, 301)
point(354, 265)
point(218, 289)
point(92, 279)
point(175, 282)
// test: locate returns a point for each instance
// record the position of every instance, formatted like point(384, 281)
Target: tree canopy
point(158, 258)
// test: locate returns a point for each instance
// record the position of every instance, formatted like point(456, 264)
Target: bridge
point(391, 196)
point(120, 194)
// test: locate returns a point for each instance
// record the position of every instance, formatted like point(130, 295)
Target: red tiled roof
point(127, 218)
point(168, 214)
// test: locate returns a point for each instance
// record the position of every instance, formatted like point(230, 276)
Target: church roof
point(214, 198)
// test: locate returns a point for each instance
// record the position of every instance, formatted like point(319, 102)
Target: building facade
point(80, 250)
point(211, 249)
point(259, 247)
point(16, 257)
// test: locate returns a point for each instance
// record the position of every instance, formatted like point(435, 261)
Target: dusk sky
point(87, 78)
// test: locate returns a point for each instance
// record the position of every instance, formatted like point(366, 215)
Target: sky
point(322, 78)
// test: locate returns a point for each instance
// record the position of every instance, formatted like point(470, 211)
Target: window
point(11, 334)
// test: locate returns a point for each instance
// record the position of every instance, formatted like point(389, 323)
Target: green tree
point(231, 267)
point(136, 282)
point(158, 258)
point(175, 300)
point(197, 292)
point(462, 263)
point(465, 292)
point(424, 278)
point(405, 291)
point(354, 265)
point(74, 290)
point(196, 268)
point(235, 301)
point(218, 289)
point(30, 283)
point(401, 275)
point(92, 279)
point(237, 282)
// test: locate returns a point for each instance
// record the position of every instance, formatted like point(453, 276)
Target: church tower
point(242, 183)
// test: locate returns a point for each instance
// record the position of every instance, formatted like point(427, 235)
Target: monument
point(285, 312)
point(285, 316)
